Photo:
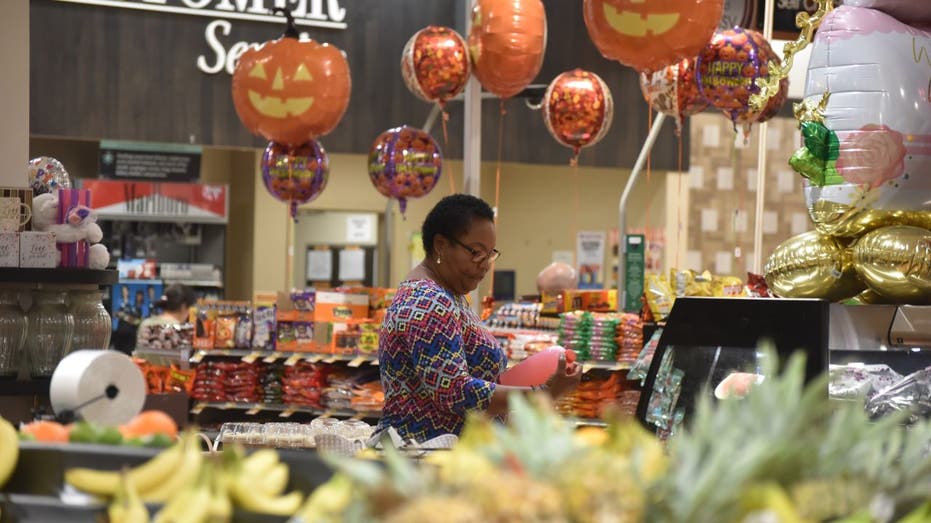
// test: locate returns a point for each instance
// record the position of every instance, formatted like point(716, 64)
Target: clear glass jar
point(92, 323)
point(51, 327)
point(12, 334)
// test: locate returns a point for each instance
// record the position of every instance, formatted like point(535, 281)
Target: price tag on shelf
point(327, 414)
point(375, 362)
point(292, 360)
point(287, 413)
point(229, 405)
point(586, 367)
point(254, 410)
point(331, 359)
point(198, 408)
point(315, 358)
point(357, 362)
point(251, 357)
point(198, 356)
point(271, 358)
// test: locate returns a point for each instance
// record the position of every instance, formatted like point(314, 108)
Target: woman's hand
point(566, 378)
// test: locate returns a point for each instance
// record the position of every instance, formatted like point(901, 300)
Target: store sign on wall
point(329, 14)
point(149, 161)
point(148, 201)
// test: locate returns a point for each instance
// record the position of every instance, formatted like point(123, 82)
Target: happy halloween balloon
point(295, 175)
point(404, 162)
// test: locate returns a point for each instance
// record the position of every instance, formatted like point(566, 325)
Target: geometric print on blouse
point(437, 362)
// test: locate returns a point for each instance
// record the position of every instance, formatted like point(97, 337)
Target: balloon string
point(290, 211)
point(680, 206)
point(741, 192)
point(449, 170)
point(649, 209)
point(503, 112)
point(574, 164)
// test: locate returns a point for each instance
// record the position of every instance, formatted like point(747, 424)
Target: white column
point(14, 84)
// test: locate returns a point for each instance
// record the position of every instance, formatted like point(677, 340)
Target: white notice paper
point(319, 265)
point(352, 265)
point(360, 228)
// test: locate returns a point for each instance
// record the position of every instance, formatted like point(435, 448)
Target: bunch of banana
point(127, 506)
point(257, 483)
point(9, 450)
point(157, 480)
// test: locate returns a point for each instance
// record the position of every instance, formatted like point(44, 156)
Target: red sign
point(152, 201)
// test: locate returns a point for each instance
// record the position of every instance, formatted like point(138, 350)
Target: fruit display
point(783, 453)
point(150, 428)
point(192, 486)
point(9, 450)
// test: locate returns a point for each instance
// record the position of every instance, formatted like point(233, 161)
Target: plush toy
point(81, 225)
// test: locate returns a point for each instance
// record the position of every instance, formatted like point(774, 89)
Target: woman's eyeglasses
point(477, 255)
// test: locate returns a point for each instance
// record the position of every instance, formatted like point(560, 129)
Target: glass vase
point(12, 334)
point(51, 327)
point(92, 323)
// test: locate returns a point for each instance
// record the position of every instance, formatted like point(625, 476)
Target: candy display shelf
point(58, 276)
point(284, 410)
point(291, 358)
point(353, 360)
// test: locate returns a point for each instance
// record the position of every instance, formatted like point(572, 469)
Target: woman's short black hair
point(177, 297)
point(452, 217)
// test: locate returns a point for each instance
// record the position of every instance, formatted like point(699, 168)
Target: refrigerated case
point(706, 340)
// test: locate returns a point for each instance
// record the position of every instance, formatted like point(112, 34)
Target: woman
point(437, 361)
point(175, 305)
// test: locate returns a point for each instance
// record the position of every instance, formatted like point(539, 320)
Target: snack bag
point(225, 331)
point(264, 324)
point(659, 296)
point(681, 281)
point(701, 285)
point(728, 287)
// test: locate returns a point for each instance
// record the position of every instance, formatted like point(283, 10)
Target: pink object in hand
point(534, 370)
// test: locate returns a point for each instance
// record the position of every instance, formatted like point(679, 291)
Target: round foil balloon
point(728, 66)
point(291, 91)
point(673, 91)
point(867, 152)
point(404, 162)
point(651, 35)
point(578, 109)
point(46, 174)
point(896, 263)
point(507, 41)
point(812, 265)
point(435, 64)
point(296, 175)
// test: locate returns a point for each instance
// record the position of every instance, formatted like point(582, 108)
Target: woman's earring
point(438, 261)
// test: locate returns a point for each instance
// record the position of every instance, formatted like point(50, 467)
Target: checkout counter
point(706, 340)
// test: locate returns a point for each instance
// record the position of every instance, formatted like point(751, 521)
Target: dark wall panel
point(100, 72)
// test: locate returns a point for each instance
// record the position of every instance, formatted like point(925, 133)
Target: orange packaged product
point(178, 380)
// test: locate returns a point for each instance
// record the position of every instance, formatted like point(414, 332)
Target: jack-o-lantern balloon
point(728, 67)
point(507, 41)
point(295, 175)
point(578, 109)
point(673, 91)
point(405, 162)
point(649, 35)
point(290, 91)
point(435, 64)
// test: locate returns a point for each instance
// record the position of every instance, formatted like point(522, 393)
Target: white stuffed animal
point(82, 225)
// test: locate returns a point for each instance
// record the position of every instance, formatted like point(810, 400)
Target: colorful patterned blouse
point(437, 362)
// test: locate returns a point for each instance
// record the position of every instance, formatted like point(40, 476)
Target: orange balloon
point(507, 41)
point(578, 109)
point(291, 91)
point(651, 35)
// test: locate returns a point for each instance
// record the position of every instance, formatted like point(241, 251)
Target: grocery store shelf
point(587, 422)
point(290, 358)
point(284, 410)
point(195, 283)
point(30, 387)
point(60, 276)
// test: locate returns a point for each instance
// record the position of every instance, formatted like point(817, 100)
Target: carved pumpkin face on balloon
point(649, 35)
point(290, 91)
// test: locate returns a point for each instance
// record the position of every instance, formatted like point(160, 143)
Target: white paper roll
point(86, 374)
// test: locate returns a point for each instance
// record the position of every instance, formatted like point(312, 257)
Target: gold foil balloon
point(812, 265)
point(896, 263)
